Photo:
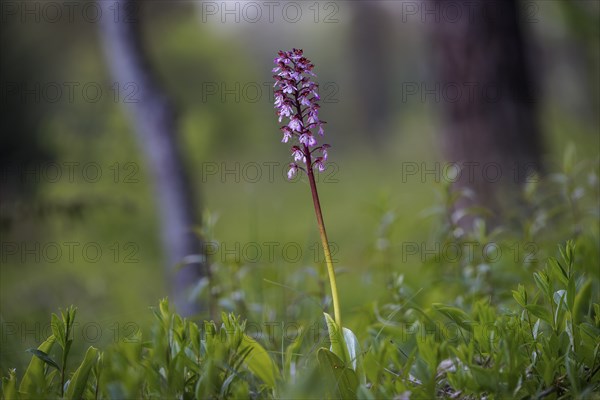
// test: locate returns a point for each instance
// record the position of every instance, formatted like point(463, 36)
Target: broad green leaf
point(69, 316)
point(560, 298)
point(336, 337)
point(164, 306)
point(560, 271)
point(581, 301)
point(570, 251)
point(457, 315)
point(355, 355)
point(520, 295)
point(344, 378)
point(34, 380)
point(259, 362)
point(79, 380)
point(540, 312)
point(542, 281)
point(44, 357)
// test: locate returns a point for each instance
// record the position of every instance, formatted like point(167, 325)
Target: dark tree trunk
point(492, 124)
point(154, 123)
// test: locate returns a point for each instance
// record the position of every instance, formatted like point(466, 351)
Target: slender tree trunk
point(154, 123)
point(492, 124)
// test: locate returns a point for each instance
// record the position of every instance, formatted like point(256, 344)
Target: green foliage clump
point(178, 361)
point(464, 336)
point(548, 343)
point(545, 345)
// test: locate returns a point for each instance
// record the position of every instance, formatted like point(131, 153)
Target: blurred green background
point(370, 210)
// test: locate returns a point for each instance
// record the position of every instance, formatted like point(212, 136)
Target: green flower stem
point(331, 272)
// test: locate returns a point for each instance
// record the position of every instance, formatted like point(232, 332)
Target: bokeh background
point(80, 213)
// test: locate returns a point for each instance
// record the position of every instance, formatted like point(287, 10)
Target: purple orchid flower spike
point(296, 98)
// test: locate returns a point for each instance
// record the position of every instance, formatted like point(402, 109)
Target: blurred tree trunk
point(492, 124)
point(369, 34)
point(153, 118)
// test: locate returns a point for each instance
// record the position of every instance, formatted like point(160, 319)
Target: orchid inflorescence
point(296, 98)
